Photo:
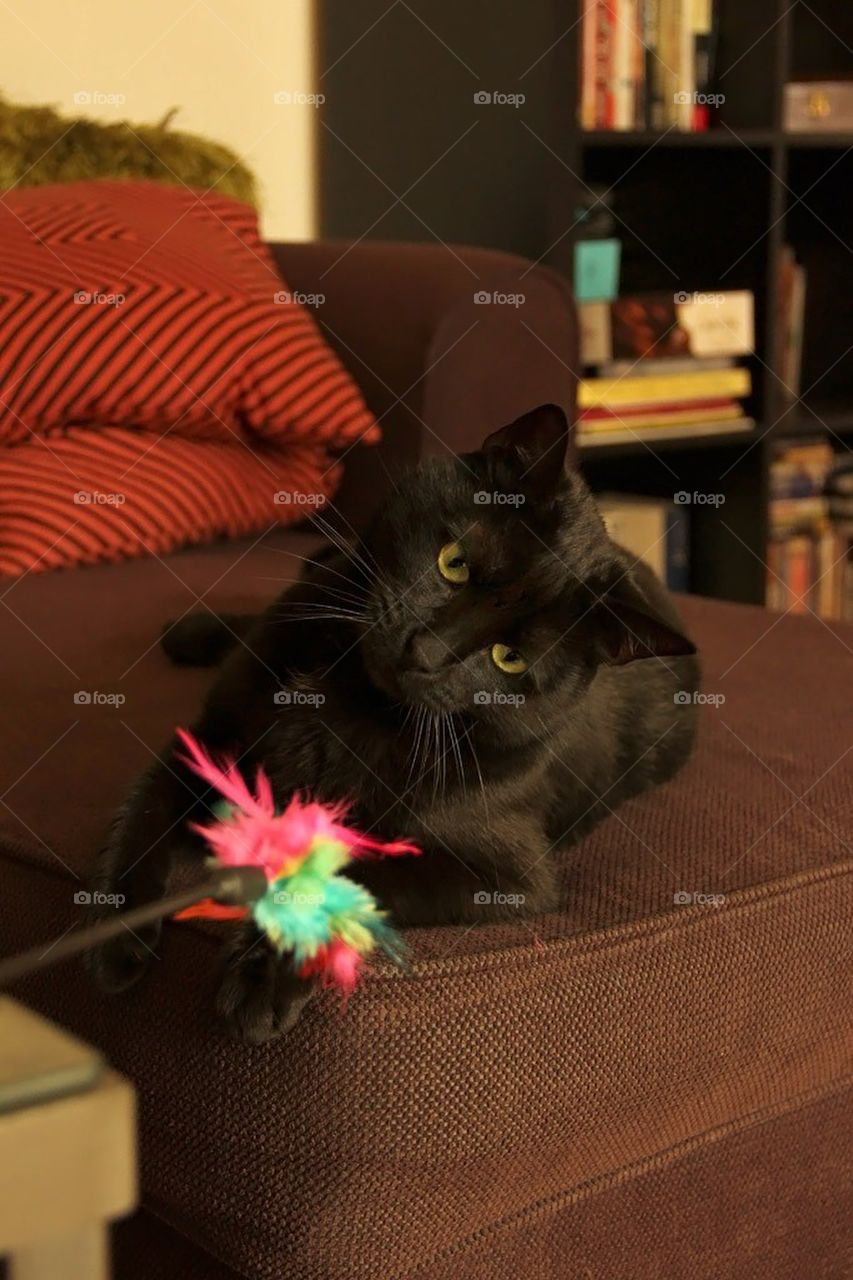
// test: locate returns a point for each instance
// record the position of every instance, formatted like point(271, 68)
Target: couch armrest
point(439, 368)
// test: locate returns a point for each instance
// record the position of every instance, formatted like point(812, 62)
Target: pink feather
point(257, 835)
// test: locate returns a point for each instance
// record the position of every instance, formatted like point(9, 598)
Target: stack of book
point(653, 530)
point(811, 529)
point(664, 365)
point(647, 64)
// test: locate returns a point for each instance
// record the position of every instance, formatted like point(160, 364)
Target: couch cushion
point(768, 793)
point(518, 1064)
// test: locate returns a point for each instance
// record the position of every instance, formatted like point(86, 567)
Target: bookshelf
point(700, 211)
point(713, 210)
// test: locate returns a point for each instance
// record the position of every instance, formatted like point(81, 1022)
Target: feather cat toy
point(327, 921)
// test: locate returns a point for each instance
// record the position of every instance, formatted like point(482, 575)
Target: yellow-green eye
point(508, 660)
point(452, 564)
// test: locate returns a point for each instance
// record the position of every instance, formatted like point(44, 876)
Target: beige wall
point(224, 63)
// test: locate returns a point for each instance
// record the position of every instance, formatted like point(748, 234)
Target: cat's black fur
point(373, 680)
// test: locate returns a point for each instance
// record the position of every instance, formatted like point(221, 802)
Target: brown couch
point(635, 1086)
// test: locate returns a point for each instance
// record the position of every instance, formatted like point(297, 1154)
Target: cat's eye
point(452, 564)
point(508, 660)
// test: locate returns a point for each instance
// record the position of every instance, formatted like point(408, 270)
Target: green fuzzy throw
point(38, 145)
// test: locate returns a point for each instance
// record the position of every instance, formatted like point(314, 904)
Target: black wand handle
point(234, 886)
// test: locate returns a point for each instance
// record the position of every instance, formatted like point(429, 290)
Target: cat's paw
point(120, 963)
point(260, 997)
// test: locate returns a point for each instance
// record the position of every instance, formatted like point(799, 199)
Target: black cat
point(484, 672)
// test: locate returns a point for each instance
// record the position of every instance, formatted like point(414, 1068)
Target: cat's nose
point(427, 652)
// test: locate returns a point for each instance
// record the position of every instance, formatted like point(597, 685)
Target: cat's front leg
point(260, 995)
point(134, 865)
point(477, 886)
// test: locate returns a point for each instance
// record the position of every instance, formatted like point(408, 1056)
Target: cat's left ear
point(628, 627)
point(536, 443)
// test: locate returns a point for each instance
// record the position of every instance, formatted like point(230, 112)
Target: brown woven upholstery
point(628, 1087)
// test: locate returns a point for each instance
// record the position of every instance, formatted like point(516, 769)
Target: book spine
point(715, 384)
point(639, 62)
point(623, 87)
point(798, 573)
point(774, 596)
point(665, 75)
point(651, 37)
point(603, 71)
point(703, 23)
point(678, 550)
point(587, 65)
point(686, 94)
point(828, 586)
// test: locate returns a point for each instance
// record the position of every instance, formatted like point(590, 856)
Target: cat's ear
point(536, 443)
point(628, 627)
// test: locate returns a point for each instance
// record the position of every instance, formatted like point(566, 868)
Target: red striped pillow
point(155, 307)
point(158, 386)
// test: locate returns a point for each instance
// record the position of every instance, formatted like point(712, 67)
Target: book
point(603, 64)
point(652, 530)
point(668, 325)
point(704, 49)
point(602, 419)
point(653, 368)
point(647, 64)
point(672, 388)
point(651, 35)
point(588, 64)
point(685, 96)
point(666, 73)
point(808, 551)
point(791, 302)
point(593, 439)
point(624, 39)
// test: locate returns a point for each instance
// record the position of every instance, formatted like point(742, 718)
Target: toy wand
point(231, 886)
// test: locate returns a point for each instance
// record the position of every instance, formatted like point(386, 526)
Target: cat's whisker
point(470, 736)
point(319, 564)
point(334, 592)
point(337, 538)
point(364, 550)
point(338, 542)
point(413, 749)
point(457, 751)
point(318, 606)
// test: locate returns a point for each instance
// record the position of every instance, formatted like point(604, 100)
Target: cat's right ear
point(628, 626)
point(535, 444)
